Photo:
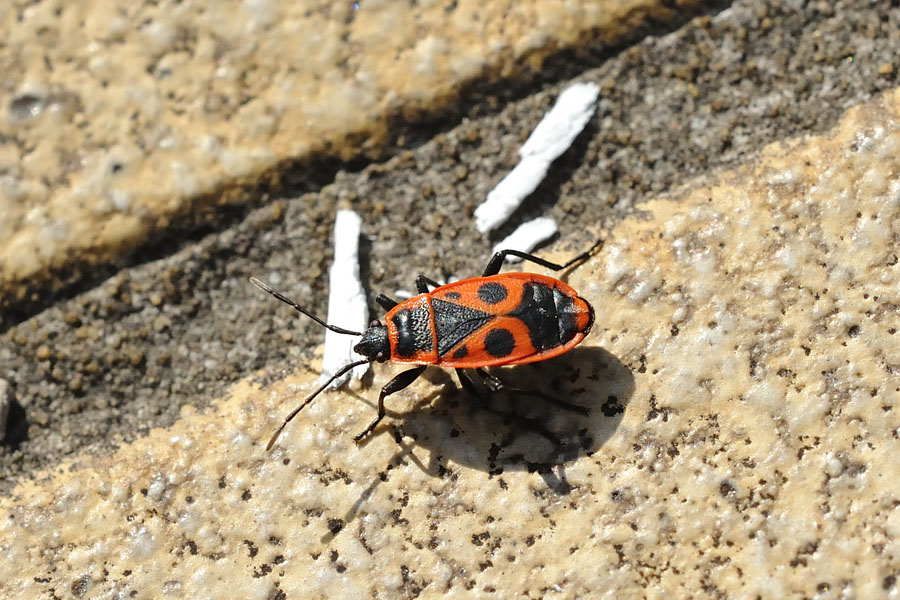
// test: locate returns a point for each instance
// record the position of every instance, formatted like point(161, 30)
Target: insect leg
point(423, 282)
point(495, 384)
point(493, 266)
point(394, 385)
point(385, 302)
point(468, 385)
point(523, 421)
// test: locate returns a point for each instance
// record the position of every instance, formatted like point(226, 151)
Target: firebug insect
point(488, 321)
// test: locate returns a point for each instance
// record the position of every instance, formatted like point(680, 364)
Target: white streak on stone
point(552, 136)
point(5, 395)
point(347, 306)
point(527, 236)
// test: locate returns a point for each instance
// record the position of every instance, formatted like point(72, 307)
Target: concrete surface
point(746, 326)
point(757, 378)
point(129, 346)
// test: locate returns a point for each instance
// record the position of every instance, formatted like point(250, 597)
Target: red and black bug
point(487, 321)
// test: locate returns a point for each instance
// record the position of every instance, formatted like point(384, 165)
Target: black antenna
point(309, 399)
point(290, 302)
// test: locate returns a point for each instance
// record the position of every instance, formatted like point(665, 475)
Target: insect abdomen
point(507, 319)
point(550, 315)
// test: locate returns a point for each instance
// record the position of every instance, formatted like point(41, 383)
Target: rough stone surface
point(746, 324)
point(118, 117)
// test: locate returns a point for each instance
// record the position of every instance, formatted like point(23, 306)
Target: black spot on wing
point(453, 295)
point(492, 292)
point(454, 322)
point(461, 352)
point(499, 342)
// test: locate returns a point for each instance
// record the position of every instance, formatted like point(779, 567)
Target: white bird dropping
point(5, 395)
point(552, 136)
point(527, 236)
point(346, 299)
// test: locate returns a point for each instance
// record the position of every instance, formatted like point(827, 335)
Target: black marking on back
point(492, 292)
point(538, 312)
point(499, 342)
point(565, 308)
point(453, 295)
point(454, 322)
point(413, 331)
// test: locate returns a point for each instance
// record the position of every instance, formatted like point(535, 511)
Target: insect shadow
point(524, 428)
point(459, 430)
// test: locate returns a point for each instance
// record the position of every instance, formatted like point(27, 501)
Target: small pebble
point(76, 384)
point(135, 356)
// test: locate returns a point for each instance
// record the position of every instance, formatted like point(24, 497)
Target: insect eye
point(375, 323)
